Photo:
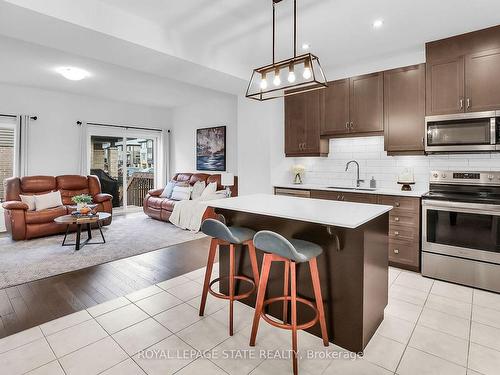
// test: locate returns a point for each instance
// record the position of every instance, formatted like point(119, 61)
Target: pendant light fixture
point(286, 77)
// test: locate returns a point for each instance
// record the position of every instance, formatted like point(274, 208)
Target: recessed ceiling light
point(305, 46)
point(72, 73)
point(377, 24)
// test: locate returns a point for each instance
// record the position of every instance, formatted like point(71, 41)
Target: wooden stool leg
point(208, 274)
point(285, 291)
point(293, 279)
point(231, 287)
point(313, 265)
point(261, 292)
point(253, 260)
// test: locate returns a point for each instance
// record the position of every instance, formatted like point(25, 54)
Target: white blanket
point(189, 213)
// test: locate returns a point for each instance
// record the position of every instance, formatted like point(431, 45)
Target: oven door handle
point(476, 208)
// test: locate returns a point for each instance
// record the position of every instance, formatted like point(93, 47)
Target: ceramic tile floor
point(430, 327)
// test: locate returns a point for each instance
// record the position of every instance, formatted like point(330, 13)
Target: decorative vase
point(298, 179)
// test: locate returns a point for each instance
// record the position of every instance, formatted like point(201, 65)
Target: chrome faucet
point(358, 181)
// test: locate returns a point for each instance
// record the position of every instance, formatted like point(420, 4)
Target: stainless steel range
point(461, 228)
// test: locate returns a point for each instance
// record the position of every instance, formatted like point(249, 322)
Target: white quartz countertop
point(381, 191)
point(320, 211)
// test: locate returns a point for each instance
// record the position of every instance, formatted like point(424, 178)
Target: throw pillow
point(209, 190)
point(29, 200)
point(169, 189)
point(181, 193)
point(49, 200)
point(198, 189)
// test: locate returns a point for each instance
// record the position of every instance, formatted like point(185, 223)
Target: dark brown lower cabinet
point(404, 110)
point(404, 222)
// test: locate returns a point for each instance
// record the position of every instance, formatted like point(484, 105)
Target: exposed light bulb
point(307, 73)
point(291, 74)
point(307, 70)
point(263, 82)
point(277, 79)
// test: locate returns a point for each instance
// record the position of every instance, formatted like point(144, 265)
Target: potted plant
point(82, 201)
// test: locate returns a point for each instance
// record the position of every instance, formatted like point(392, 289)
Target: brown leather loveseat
point(24, 224)
point(161, 208)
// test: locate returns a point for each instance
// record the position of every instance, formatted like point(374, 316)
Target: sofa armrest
point(155, 192)
point(14, 205)
point(102, 197)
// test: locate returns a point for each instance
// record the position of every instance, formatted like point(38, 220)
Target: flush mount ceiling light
point(73, 74)
point(377, 24)
point(287, 77)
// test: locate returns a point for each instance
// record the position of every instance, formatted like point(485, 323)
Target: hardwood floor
point(27, 305)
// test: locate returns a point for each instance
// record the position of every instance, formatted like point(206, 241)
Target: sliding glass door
point(126, 162)
point(8, 149)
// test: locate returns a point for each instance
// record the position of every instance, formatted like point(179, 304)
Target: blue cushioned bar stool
point(291, 252)
point(233, 236)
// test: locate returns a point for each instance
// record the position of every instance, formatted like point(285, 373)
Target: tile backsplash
point(374, 161)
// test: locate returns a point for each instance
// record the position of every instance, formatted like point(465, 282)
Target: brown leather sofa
point(23, 224)
point(161, 208)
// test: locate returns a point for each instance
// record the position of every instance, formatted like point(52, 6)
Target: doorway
point(127, 162)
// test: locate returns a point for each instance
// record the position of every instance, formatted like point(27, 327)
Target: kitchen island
point(353, 267)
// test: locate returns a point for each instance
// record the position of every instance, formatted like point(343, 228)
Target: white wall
point(54, 139)
point(374, 161)
point(215, 110)
point(261, 149)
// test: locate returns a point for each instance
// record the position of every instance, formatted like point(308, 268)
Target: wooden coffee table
point(79, 222)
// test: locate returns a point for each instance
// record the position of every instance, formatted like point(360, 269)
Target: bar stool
point(233, 236)
point(291, 252)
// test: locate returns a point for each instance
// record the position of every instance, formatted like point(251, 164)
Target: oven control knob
point(435, 175)
point(443, 175)
point(491, 177)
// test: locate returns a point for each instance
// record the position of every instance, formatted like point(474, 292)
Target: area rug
point(134, 234)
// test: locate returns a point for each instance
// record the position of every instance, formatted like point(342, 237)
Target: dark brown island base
point(353, 268)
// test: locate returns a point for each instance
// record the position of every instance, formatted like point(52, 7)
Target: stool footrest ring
point(285, 325)
point(236, 296)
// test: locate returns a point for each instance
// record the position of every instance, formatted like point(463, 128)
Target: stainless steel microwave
point(463, 132)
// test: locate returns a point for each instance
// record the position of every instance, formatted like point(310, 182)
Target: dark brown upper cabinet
point(354, 106)
point(304, 116)
point(336, 108)
point(482, 71)
point(404, 110)
point(366, 103)
point(462, 73)
point(445, 86)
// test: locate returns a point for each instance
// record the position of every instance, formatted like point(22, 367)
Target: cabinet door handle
point(352, 125)
point(396, 233)
point(338, 197)
point(397, 204)
point(468, 103)
point(347, 125)
point(461, 103)
point(396, 219)
point(343, 198)
point(396, 251)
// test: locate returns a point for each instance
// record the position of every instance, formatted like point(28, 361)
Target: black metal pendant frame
point(317, 79)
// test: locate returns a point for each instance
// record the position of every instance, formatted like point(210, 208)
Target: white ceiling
point(216, 43)
point(235, 35)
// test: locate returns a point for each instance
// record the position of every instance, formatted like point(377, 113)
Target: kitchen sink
point(351, 188)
